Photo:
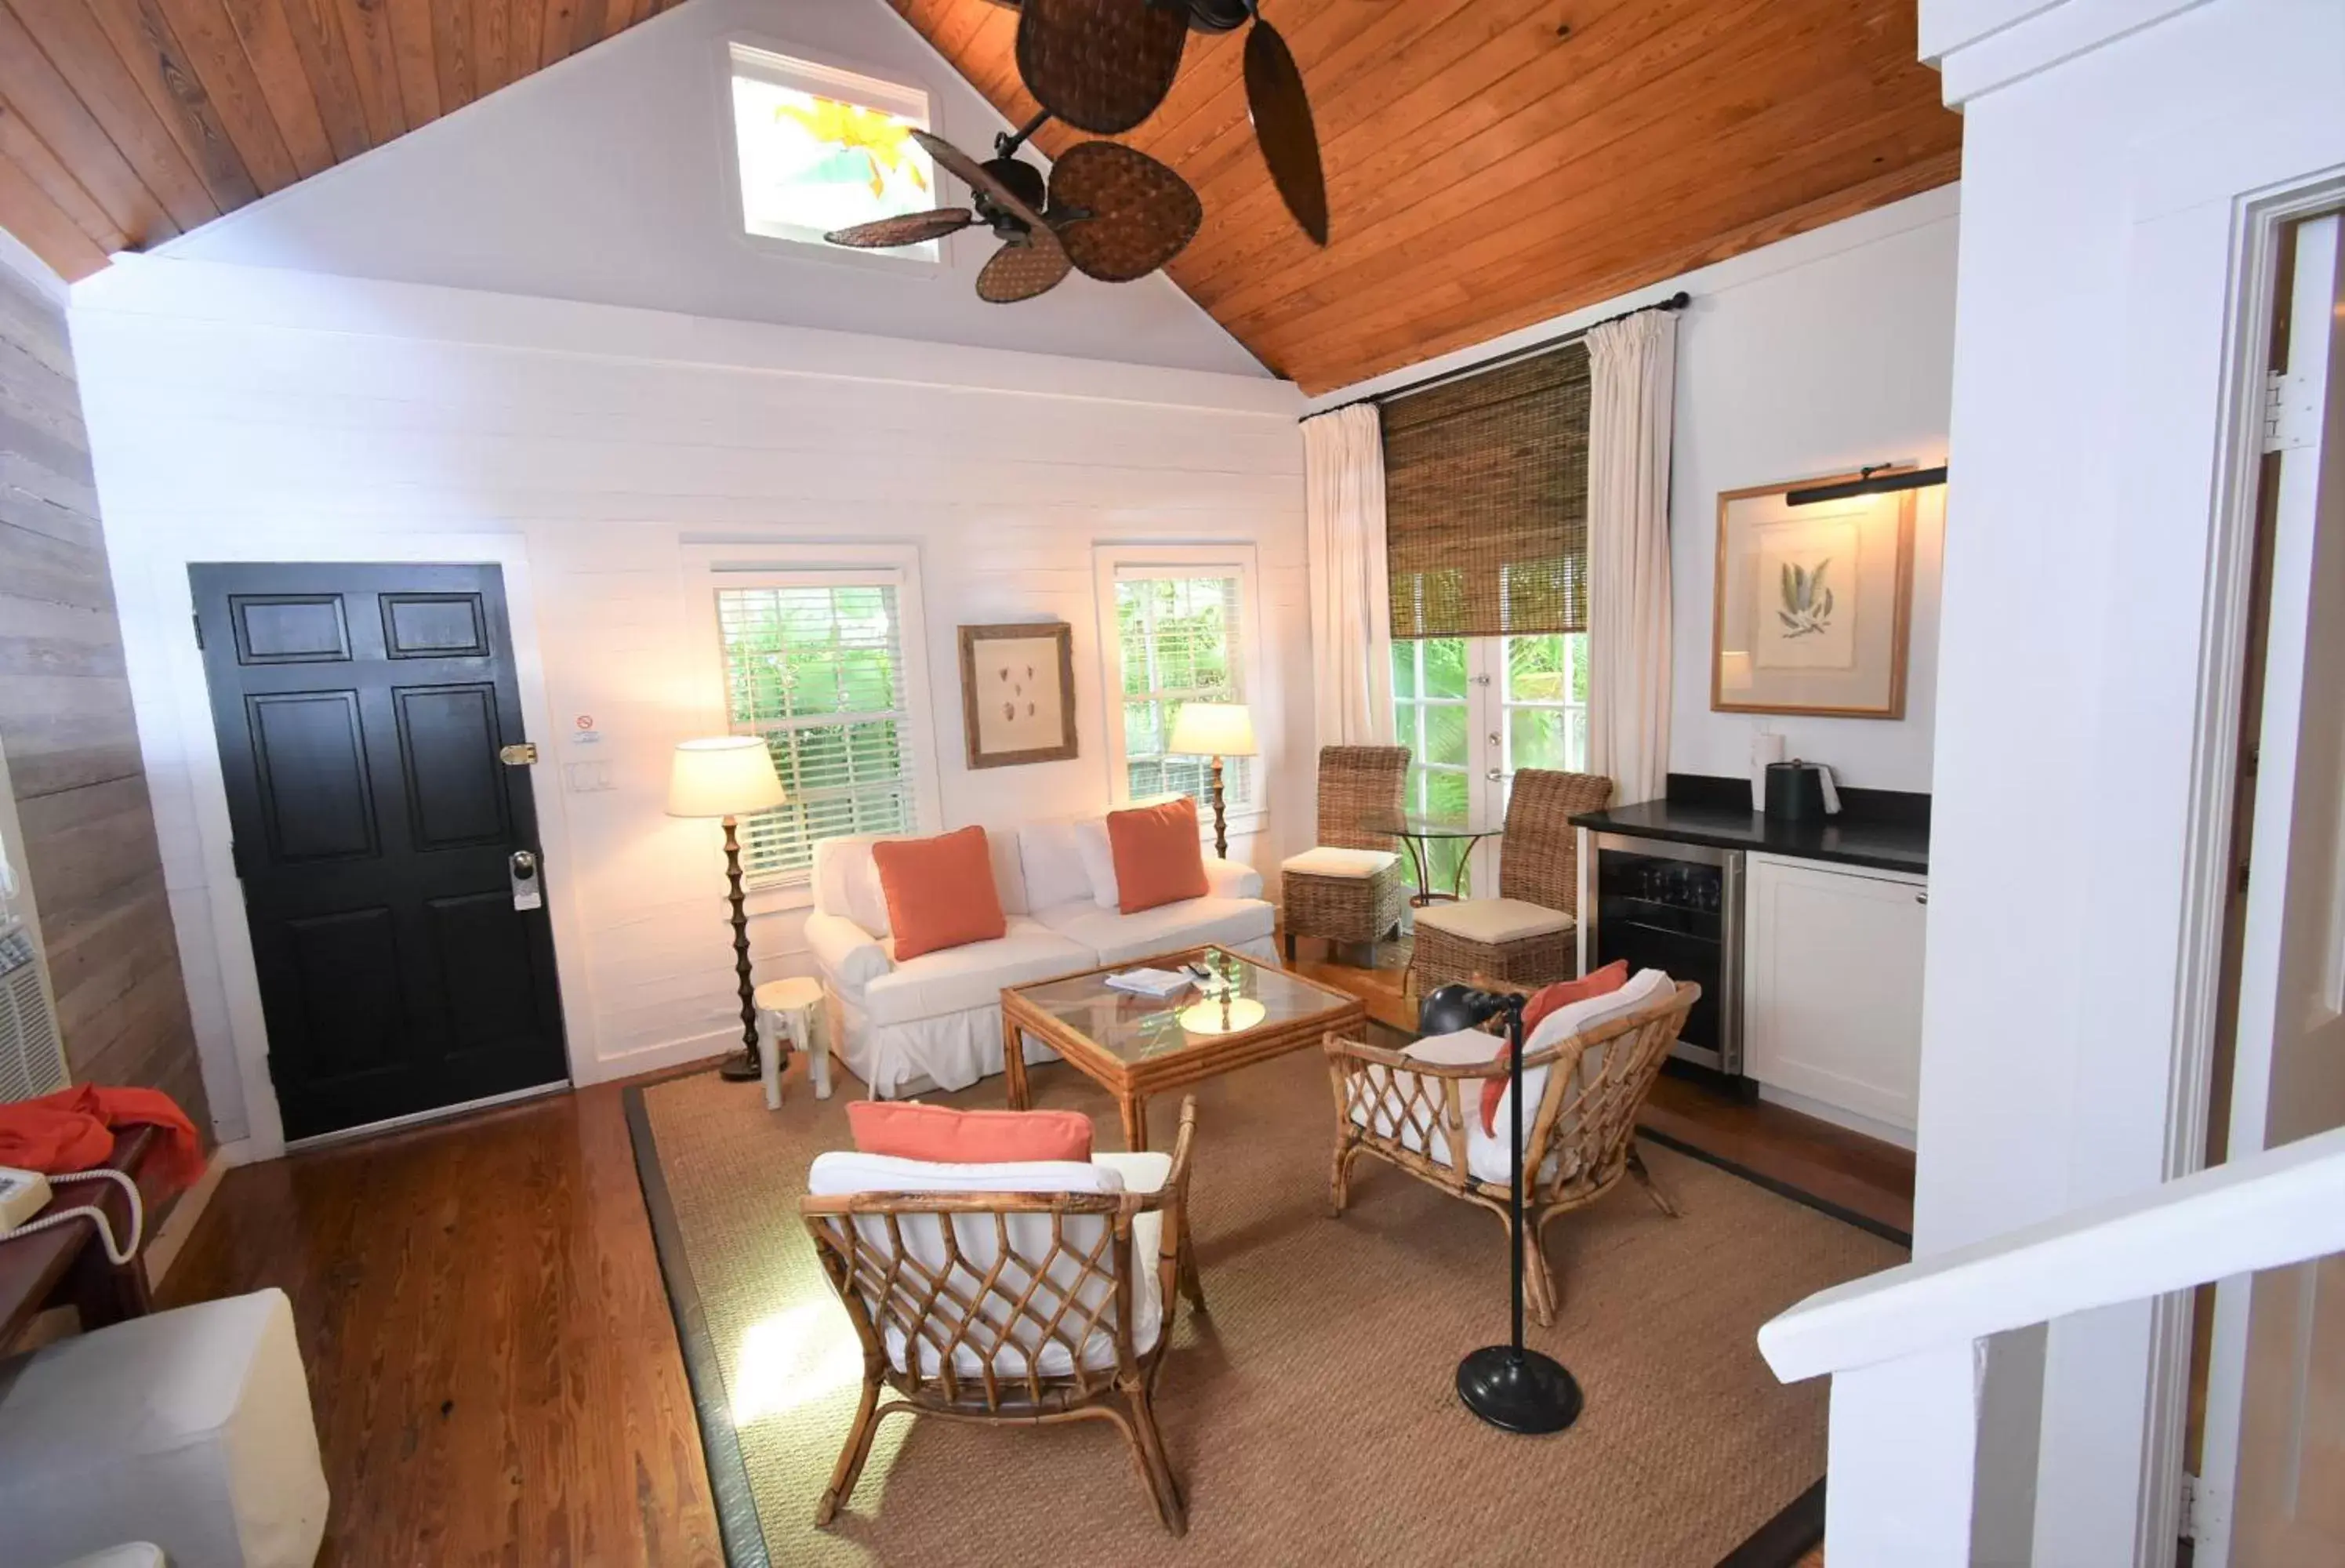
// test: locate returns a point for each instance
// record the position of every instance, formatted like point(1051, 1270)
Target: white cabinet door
point(1832, 984)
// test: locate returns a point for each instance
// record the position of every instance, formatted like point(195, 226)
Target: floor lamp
point(1513, 1389)
point(729, 777)
point(1214, 730)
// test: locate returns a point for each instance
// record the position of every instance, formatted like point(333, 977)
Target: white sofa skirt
point(949, 1051)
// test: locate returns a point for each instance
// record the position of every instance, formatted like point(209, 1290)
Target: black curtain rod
point(1677, 301)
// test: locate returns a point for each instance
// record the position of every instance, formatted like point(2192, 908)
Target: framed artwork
point(1812, 605)
point(1018, 693)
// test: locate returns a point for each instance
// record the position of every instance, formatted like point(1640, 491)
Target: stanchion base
point(740, 1067)
point(1518, 1390)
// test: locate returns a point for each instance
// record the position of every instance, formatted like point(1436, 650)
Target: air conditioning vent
point(32, 1060)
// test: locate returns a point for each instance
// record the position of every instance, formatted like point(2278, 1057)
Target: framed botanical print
point(1811, 604)
point(1018, 693)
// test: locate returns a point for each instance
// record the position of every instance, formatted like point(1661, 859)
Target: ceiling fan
point(1107, 210)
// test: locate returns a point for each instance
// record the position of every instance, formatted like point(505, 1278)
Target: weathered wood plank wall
point(71, 743)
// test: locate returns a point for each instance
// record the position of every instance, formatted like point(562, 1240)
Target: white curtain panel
point(1351, 607)
point(1632, 366)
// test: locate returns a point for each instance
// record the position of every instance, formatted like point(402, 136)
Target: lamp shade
point(1213, 730)
point(729, 775)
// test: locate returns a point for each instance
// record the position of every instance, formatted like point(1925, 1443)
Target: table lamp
point(731, 777)
point(1214, 730)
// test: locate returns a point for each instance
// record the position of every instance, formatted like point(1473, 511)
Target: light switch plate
point(587, 778)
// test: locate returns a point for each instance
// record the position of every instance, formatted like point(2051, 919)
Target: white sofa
point(935, 1021)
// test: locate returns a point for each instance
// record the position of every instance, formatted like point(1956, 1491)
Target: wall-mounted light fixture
point(1879, 479)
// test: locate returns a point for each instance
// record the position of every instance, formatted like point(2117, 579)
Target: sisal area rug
point(1309, 1413)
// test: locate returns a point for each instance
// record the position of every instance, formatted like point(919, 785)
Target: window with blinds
point(820, 673)
point(1485, 501)
point(1177, 638)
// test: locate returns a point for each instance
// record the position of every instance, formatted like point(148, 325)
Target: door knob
point(521, 875)
point(1494, 776)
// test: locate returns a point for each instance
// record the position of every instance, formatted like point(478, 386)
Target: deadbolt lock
point(521, 756)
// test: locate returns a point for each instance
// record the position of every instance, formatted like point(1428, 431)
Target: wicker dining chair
point(1529, 935)
point(1413, 1113)
point(1018, 1308)
point(1349, 886)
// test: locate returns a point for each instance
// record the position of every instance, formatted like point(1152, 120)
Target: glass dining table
point(1420, 833)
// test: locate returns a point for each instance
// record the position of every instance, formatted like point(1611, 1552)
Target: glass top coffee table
point(1134, 1046)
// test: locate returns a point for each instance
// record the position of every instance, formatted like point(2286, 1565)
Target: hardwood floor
point(1859, 1174)
point(488, 1346)
point(489, 1351)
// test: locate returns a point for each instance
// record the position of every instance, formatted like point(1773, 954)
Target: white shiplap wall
point(241, 414)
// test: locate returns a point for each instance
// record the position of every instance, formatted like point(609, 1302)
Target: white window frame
point(1111, 563)
point(815, 563)
point(1486, 703)
point(770, 60)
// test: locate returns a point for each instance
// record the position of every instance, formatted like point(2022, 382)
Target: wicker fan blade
point(1282, 124)
point(1124, 213)
point(978, 178)
point(1022, 269)
point(911, 228)
point(1101, 66)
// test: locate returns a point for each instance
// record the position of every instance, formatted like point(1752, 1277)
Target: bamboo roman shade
point(1485, 501)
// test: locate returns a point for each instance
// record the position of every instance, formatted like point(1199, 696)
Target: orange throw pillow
point(1158, 856)
point(1545, 1000)
point(910, 1131)
point(939, 891)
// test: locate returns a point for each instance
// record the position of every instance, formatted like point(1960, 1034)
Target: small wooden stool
point(790, 1007)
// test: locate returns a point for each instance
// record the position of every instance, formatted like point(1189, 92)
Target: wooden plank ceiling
point(1493, 163)
point(124, 121)
point(1490, 163)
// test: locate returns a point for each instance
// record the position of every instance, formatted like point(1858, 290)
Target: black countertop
point(1886, 841)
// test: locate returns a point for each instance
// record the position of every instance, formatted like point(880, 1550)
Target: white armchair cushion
point(1645, 987)
point(1231, 879)
point(959, 979)
point(847, 956)
point(1491, 921)
point(842, 1172)
point(1347, 863)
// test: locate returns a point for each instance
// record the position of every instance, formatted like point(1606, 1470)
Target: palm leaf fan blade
point(1119, 213)
point(1022, 269)
point(1101, 66)
point(909, 228)
point(1283, 125)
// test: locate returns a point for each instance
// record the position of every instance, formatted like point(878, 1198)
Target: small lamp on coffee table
point(1214, 730)
point(729, 777)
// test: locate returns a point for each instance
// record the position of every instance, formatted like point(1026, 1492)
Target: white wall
point(609, 178)
point(1815, 355)
point(243, 413)
point(2109, 152)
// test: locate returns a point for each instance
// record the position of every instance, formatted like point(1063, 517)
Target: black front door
point(360, 712)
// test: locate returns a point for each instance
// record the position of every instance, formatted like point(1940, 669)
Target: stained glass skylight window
point(822, 149)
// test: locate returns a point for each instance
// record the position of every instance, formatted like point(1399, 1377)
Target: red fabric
point(1158, 858)
point(910, 1131)
point(1545, 1000)
point(939, 891)
point(73, 1130)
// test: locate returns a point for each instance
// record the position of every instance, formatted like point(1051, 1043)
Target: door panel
point(2273, 1454)
point(361, 711)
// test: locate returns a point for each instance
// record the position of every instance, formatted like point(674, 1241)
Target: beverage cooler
point(1678, 907)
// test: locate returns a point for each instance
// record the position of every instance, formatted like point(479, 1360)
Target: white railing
point(1904, 1348)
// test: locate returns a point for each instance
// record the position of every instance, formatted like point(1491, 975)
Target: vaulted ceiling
point(1490, 163)
point(124, 121)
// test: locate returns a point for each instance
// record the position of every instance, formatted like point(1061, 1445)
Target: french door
point(1473, 711)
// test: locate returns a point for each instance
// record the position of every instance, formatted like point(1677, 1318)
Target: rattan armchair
point(1529, 935)
point(1349, 888)
point(1413, 1113)
point(1020, 1309)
